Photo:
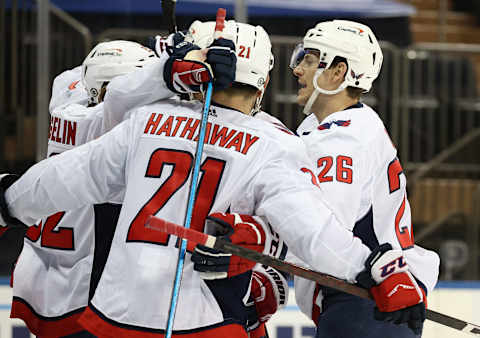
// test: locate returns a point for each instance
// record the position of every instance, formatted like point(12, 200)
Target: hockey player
point(358, 168)
point(248, 166)
point(59, 266)
point(269, 288)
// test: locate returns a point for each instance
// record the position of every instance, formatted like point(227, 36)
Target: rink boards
point(458, 299)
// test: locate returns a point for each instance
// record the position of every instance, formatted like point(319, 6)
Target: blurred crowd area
point(427, 93)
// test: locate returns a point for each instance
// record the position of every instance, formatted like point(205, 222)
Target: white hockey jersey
point(358, 168)
point(68, 88)
point(52, 276)
point(248, 166)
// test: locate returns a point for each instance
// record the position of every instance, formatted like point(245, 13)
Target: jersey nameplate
point(62, 131)
point(186, 127)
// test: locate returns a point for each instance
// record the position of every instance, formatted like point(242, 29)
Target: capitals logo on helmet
point(110, 59)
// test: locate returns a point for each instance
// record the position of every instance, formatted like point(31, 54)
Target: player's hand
point(398, 296)
point(6, 180)
point(160, 44)
point(186, 69)
point(242, 230)
point(221, 56)
point(157, 43)
point(269, 290)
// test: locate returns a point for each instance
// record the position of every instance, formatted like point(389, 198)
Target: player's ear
point(340, 71)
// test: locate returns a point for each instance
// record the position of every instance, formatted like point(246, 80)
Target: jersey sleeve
point(68, 88)
point(392, 220)
point(290, 201)
point(142, 87)
point(89, 174)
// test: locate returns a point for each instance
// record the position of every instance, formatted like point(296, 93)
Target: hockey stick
point(168, 10)
point(321, 278)
point(220, 23)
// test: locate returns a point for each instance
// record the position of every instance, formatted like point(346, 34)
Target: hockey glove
point(243, 230)
point(221, 56)
point(160, 44)
point(6, 180)
point(157, 43)
point(259, 332)
point(185, 70)
point(269, 290)
point(398, 296)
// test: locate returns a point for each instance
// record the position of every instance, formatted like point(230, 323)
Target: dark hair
point(353, 92)
point(245, 90)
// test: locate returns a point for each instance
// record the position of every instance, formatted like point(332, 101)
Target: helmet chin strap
point(258, 104)
point(258, 101)
point(318, 90)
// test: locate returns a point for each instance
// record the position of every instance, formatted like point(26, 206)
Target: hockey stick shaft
point(168, 10)
point(321, 278)
point(191, 196)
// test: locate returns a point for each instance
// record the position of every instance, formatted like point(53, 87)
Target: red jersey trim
point(99, 325)
point(41, 326)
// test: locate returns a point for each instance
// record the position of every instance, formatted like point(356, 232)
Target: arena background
point(427, 95)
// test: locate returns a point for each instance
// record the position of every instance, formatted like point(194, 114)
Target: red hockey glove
point(258, 332)
point(186, 69)
point(243, 230)
point(398, 296)
point(269, 290)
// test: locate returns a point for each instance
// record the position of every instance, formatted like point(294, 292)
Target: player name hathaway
point(186, 127)
point(62, 131)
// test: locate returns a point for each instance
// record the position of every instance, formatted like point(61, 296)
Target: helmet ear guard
point(110, 59)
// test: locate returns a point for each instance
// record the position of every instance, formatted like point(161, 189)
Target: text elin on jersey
point(186, 127)
point(62, 131)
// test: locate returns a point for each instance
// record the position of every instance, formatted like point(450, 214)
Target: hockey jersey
point(51, 282)
point(357, 167)
point(248, 166)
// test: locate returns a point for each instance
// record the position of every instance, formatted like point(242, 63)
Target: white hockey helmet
point(110, 59)
point(348, 39)
point(252, 45)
